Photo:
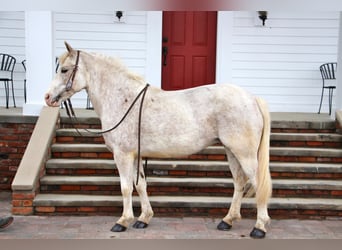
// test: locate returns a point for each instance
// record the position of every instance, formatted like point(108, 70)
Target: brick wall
point(15, 134)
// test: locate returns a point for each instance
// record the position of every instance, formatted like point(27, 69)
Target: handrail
point(36, 153)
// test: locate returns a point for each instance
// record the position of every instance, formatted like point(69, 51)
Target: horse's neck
point(112, 91)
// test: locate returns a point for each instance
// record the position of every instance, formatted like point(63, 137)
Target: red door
point(189, 49)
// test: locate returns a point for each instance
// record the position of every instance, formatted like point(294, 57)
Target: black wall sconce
point(119, 15)
point(262, 16)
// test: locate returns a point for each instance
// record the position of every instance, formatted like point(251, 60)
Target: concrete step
point(191, 182)
point(329, 137)
point(192, 168)
point(213, 150)
point(308, 140)
point(318, 137)
point(298, 151)
point(78, 200)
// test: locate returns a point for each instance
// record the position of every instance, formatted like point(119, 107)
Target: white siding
point(280, 62)
point(12, 41)
point(99, 32)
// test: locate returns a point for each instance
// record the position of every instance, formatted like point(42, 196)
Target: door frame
point(223, 47)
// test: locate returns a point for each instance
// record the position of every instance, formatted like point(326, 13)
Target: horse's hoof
point(140, 224)
point(118, 228)
point(224, 226)
point(257, 233)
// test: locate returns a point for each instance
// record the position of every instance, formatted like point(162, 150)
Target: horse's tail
point(264, 183)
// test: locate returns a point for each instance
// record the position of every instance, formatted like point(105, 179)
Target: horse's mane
point(117, 64)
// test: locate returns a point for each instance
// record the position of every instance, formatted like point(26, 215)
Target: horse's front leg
point(146, 209)
point(124, 163)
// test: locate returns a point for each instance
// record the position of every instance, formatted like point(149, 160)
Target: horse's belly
point(180, 149)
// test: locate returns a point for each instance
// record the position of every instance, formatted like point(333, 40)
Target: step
point(298, 151)
point(165, 167)
point(324, 140)
point(71, 132)
point(191, 182)
point(93, 147)
point(330, 137)
point(214, 150)
point(78, 200)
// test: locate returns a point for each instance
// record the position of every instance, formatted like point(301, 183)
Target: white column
point(338, 96)
point(153, 47)
point(39, 58)
point(224, 47)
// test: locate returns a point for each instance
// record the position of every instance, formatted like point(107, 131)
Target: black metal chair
point(24, 65)
point(7, 64)
point(328, 72)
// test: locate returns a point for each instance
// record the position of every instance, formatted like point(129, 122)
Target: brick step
point(213, 152)
point(191, 168)
point(47, 204)
point(182, 186)
point(326, 140)
point(277, 139)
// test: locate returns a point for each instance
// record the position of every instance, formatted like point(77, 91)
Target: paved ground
point(98, 227)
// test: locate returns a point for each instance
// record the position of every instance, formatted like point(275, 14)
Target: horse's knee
point(126, 190)
point(141, 188)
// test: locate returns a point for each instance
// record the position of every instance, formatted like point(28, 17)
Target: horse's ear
point(68, 47)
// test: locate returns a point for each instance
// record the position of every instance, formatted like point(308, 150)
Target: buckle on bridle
point(68, 86)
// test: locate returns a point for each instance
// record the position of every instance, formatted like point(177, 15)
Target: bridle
point(71, 114)
point(69, 83)
point(71, 79)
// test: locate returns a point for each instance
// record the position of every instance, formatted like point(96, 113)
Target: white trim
point(39, 58)
point(338, 96)
point(153, 47)
point(224, 47)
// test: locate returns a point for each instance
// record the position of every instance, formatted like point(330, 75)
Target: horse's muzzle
point(52, 101)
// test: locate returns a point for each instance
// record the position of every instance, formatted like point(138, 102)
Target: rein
point(71, 114)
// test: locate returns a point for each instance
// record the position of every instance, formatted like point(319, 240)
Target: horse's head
point(69, 79)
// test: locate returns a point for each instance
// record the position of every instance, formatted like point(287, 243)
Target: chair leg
point(13, 94)
point(320, 105)
point(25, 90)
point(6, 92)
point(330, 99)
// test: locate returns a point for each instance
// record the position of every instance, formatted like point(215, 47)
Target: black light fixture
point(119, 14)
point(262, 16)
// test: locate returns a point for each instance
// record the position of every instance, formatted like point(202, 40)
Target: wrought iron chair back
point(7, 64)
point(328, 72)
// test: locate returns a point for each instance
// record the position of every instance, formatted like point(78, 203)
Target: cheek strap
point(70, 81)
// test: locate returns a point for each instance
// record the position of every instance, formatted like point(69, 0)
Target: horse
point(171, 124)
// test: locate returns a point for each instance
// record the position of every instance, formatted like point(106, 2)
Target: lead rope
point(71, 114)
point(139, 134)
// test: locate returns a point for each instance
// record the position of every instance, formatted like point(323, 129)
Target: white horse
point(173, 124)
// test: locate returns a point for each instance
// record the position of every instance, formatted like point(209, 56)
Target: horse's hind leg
point(146, 209)
point(240, 180)
point(259, 230)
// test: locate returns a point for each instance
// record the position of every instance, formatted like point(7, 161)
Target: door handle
point(165, 51)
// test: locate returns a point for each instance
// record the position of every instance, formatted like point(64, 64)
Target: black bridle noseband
point(71, 114)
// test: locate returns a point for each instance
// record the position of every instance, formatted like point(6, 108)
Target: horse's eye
point(63, 70)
